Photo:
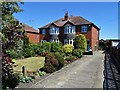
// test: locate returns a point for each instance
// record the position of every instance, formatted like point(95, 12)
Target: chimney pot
point(66, 16)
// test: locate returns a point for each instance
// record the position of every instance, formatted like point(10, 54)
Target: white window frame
point(68, 41)
point(53, 40)
point(43, 41)
point(69, 29)
point(43, 31)
point(54, 30)
point(84, 28)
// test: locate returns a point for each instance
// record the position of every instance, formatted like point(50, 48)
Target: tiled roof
point(76, 20)
point(30, 29)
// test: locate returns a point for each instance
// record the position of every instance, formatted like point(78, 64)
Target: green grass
point(31, 64)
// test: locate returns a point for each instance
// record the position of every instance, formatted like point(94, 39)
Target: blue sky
point(103, 14)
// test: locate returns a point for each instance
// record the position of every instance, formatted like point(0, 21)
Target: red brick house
point(65, 29)
point(32, 34)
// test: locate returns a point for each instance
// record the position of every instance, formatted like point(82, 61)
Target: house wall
point(95, 38)
point(33, 37)
point(44, 37)
point(92, 35)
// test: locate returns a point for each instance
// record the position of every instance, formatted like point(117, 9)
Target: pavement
point(86, 72)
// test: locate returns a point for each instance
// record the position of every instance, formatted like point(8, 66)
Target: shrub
point(80, 42)
point(26, 79)
point(70, 58)
point(68, 48)
point(49, 68)
point(9, 79)
point(28, 52)
point(77, 52)
point(56, 47)
point(60, 59)
point(14, 53)
point(46, 47)
point(53, 62)
point(41, 73)
point(35, 47)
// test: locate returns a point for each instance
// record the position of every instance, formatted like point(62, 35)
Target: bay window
point(69, 29)
point(68, 41)
point(54, 40)
point(54, 30)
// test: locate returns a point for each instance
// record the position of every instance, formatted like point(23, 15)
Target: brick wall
point(33, 37)
point(94, 39)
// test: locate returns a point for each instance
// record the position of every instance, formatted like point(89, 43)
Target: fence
point(115, 55)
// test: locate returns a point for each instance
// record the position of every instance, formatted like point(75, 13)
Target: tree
point(12, 34)
point(11, 28)
point(80, 42)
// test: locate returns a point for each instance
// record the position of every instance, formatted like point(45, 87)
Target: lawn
point(31, 64)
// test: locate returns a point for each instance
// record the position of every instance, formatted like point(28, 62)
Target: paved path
point(84, 73)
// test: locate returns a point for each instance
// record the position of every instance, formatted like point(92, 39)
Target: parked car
point(89, 50)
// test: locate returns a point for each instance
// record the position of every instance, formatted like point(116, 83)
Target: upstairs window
point(84, 28)
point(43, 31)
point(69, 29)
point(54, 30)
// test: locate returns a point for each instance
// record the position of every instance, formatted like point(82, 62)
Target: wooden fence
point(115, 55)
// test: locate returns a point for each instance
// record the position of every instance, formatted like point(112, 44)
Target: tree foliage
point(12, 29)
point(12, 37)
point(80, 42)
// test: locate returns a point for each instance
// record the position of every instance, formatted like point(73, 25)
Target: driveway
point(84, 73)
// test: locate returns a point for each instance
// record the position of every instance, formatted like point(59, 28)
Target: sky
point(102, 14)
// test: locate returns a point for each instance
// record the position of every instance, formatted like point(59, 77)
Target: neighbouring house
point(32, 34)
point(65, 29)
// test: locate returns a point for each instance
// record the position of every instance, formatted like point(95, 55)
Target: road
point(84, 73)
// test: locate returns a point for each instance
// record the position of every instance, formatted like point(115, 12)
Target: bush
point(14, 53)
point(9, 79)
point(35, 48)
point(53, 62)
point(70, 58)
point(60, 59)
point(77, 52)
point(56, 47)
point(46, 47)
point(28, 52)
point(68, 48)
point(26, 79)
point(80, 42)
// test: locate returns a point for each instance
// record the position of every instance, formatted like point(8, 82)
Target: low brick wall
point(115, 54)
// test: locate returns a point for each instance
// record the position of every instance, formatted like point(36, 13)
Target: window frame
point(43, 32)
point(84, 29)
point(69, 29)
point(54, 30)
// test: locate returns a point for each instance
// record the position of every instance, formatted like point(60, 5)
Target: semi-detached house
point(65, 29)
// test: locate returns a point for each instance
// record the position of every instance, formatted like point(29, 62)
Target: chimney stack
point(66, 16)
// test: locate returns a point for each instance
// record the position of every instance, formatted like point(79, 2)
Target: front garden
point(22, 61)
